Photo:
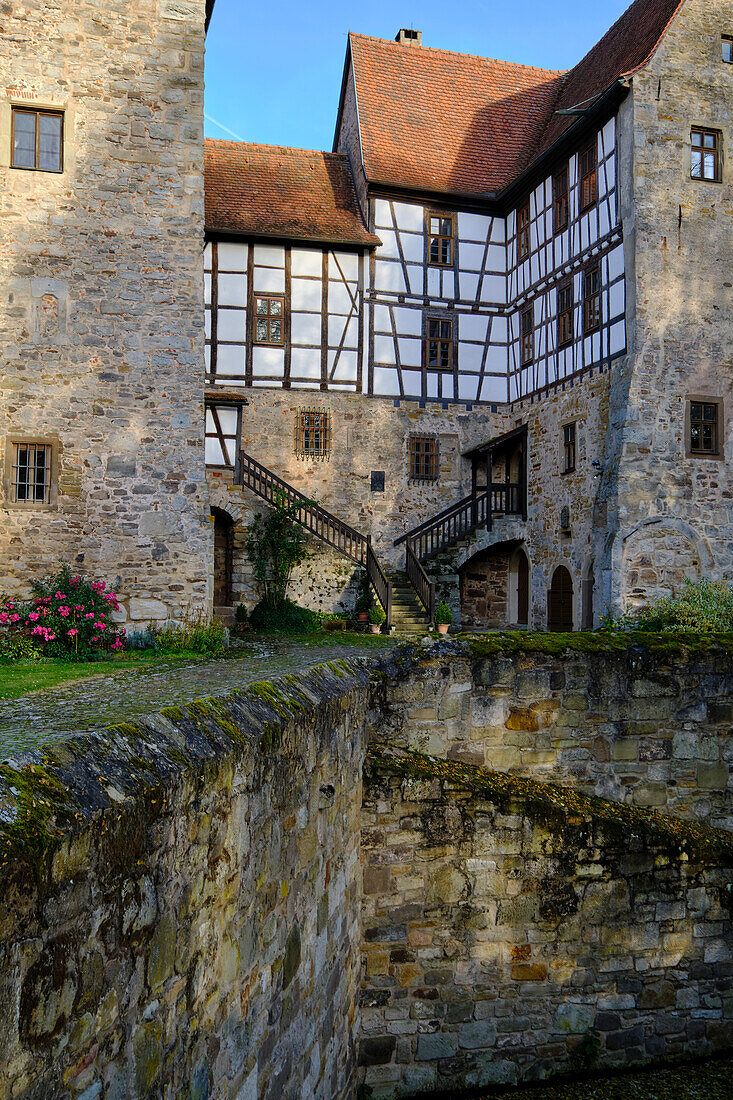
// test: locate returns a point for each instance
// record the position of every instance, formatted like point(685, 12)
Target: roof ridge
point(460, 53)
point(272, 148)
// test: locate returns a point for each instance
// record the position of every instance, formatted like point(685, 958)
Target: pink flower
point(15, 618)
point(59, 596)
point(95, 638)
point(49, 636)
point(89, 615)
point(38, 630)
point(78, 607)
point(72, 632)
point(64, 612)
point(117, 644)
point(33, 615)
point(3, 617)
point(100, 626)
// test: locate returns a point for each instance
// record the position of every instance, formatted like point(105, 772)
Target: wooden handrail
point(423, 586)
point(321, 523)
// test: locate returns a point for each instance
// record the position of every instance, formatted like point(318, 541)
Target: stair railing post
point(389, 606)
point(432, 602)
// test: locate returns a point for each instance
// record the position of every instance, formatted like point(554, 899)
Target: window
point(588, 177)
point(564, 315)
point(269, 320)
point(728, 49)
point(313, 433)
point(706, 155)
point(526, 321)
point(221, 435)
point(423, 458)
point(439, 344)
point(568, 449)
point(561, 206)
point(36, 139)
point(31, 473)
point(440, 240)
point(523, 237)
point(592, 300)
point(704, 420)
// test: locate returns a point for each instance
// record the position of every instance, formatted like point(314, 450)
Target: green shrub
point(288, 618)
point(276, 543)
point(697, 607)
point(443, 614)
point(17, 647)
point(195, 635)
point(377, 615)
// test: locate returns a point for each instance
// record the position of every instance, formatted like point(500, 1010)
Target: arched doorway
point(588, 587)
point(518, 609)
point(223, 555)
point(560, 601)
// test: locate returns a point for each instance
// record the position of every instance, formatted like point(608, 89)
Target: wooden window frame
point(570, 447)
point(524, 232)
point(727, 40)
point(17, 108)
point(324, 430)
point(526, 337)
point(430, 237)
point(258, 297)
point(588, 175)
point(451, 341)
point(568, 312)
point(212, 406)
point(561, 200)
point(590, 296)
point(717, 150)
point(12, 442)
point(718, 454)
point(424, 456)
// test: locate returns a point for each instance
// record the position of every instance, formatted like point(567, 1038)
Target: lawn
point(21, 677)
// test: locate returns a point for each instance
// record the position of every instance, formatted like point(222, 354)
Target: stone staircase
point(408, 614)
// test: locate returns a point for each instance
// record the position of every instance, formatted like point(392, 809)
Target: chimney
point(407, 37)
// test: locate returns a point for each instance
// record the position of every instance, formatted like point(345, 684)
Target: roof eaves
point(657, 44)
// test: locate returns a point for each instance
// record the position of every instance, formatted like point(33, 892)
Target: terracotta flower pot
point(375, 628)
point(442, 628)
point(363, 616)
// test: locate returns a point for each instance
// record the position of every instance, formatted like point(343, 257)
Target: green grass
point(21, 677)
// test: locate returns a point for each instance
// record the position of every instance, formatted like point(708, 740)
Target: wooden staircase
point(408, 613)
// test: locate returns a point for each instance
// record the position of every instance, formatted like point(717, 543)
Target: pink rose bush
point(68, 616)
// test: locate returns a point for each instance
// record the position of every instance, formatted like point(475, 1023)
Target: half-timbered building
point(440, 330)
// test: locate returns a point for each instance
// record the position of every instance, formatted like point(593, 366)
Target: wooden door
point(560, 601)
point(223, 552)
point(522, 590)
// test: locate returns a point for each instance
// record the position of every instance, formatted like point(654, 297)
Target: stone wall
point(198, 932)
point(506, 939)
point(101, 325)
point(651, 730)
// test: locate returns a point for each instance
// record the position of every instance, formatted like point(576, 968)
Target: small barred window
point(31, 473)
point(423, 458)
point(313, 433)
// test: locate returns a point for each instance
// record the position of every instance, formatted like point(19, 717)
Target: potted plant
point(443, 617)
point(376, 618)
point(364, 600)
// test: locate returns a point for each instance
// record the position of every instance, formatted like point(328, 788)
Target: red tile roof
point(447, 121)
point(268, 190)
point(436, 120)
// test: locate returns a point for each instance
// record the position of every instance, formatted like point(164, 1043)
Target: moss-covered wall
point(514, 931)
point(179, 902)
point(639, 720)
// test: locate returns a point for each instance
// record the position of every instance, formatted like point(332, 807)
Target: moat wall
point(184, 913)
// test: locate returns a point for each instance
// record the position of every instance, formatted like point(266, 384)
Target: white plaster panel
point(386, 380)
point(207, 288)
point(449, 284)
point(496, 360)
point(618, 337)
point(409, 216)
point(382, 214)
point(472, 326)
point(413, 245)
point(616, 263)
point(412, 383)
point(347, 261)
point(469, 356)
point(473, 227)
point(468, 286)
point(230, 360)
point(433, 282)
point(388, 276)
point(207, 323)
point(617, 299)
point(213, 453)
point(269, 255)
point(408, 322)
point(609, 134)
point(494, 289)
point(232, 256)
point(496, 258)
point(305, 363)
point(305, 294)
point(499, 329)
point(268, 361)
point(269, 280)
point(346, 368)
point(231, 324)
point(410, 352)
point(414, 274)
point(604, 221)
point(467, 387)
point(381, 319)
point(339, 299)
point(338, 327)
point(207, 255)
point(388, 238)
point(471, 257)
point(207, 357)
point(305, 328)
point(499, 231)
point(432, 388)
point(383, 349)
point(306, 261)
point(232, 290)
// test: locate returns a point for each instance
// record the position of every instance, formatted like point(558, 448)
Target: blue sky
point(273, 72)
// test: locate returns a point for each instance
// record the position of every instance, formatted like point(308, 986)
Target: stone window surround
point(566, 470)
point(20, 98)
point(51, 441)
point(727, 47)
point(705, 399)
point(703, 128)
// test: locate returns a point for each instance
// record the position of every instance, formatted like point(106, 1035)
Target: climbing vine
point(276, 543)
